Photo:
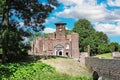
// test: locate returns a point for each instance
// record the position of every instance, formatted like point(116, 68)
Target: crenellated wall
point(109, 68)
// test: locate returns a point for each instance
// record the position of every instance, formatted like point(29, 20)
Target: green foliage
point(84, 29)
point(88, 36)
point(96, 42)
point(31, 12)
point(0, 51)
point(15, 47)
point(119, 48)
point(114, 46)
point(45, 35)
point(2, 2)
point(35, 34)
point(103, 48)
point(34, 71)
point(38, 34)
point(68, 32)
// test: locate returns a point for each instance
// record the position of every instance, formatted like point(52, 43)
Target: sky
point(104, 15)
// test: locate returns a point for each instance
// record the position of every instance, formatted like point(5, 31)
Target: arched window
point(59, 47)
point(67, 46)
point(67, 54)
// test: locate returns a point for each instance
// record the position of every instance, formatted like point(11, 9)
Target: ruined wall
point(109, 68)
point(47, 46)
point(83, 55)
point(75, 45)
point(116, 55)
point(60, 32)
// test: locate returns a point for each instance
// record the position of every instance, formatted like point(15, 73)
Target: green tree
point(119, 48)
point(1, 5)
point(45, 35)
point(104, 48)
point(31, 12)
point(88, 36)
point(114, 46)
point(68, 32)
point(84, 28)
point(35, 34)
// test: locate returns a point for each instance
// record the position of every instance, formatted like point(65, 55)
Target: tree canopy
point(32, 13)
point(88, 36)
point(84, 28)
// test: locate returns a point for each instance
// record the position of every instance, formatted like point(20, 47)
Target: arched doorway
point(60, 53)
point(59, 50)
point(67, 54)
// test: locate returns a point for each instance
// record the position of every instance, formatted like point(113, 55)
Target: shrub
point(33, 71)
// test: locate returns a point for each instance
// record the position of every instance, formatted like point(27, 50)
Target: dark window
point(67, 54)
point(60, 53)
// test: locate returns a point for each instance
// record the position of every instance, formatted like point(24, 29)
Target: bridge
point(106, 68)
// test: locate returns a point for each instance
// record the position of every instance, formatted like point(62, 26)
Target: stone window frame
point(67, 46)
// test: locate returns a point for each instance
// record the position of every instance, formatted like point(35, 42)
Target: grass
point(67, 65)
point(105, 56)
point(35, 71)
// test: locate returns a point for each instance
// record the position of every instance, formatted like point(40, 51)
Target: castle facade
point(57, 44)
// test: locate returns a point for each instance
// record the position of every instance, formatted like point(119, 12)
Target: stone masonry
point(58, 43)
point(108, 68)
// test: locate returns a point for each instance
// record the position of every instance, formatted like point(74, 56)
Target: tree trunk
point(5, 26)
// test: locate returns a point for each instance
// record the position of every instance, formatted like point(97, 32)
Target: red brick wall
point(60, 34)
point(75, 48)
point(51, 36)
point(47, 46)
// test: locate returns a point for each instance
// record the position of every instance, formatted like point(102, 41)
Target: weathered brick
point(57, 43)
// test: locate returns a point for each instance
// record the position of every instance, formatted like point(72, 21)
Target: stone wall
point(83, 55)
point(116, 55)
point(109, 68)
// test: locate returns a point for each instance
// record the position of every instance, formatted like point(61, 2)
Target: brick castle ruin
point(57, 44)
point(60, 44)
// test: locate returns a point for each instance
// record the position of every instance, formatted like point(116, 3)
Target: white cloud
point(52, 19)
point(67, 28)
point(83, 9)
point(49, 30)
point(114, 2)
point(95, 13)
point(109, 29)
point(88, 9)
point(76, 2)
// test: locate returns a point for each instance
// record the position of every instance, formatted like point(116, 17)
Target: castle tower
point(60, 30)
point(75, 45)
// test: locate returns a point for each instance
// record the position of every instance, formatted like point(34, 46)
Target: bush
point(33, 71)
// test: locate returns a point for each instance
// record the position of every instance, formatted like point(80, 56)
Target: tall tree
point(84, 28)
point(119, 48)
point(114, 46)
point(88, 36)
point(97, 41)
point(35, 34)
point(31, 12)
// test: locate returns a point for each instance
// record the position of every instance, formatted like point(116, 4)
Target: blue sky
point(103, 14)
